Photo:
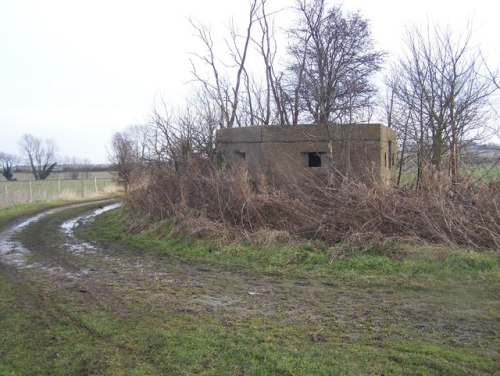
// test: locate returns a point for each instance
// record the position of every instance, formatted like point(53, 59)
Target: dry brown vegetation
point(205, 200)
point(169, 163)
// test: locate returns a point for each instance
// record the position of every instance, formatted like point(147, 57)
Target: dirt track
point(48, 253)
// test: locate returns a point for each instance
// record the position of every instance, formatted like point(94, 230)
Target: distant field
point(486, 172)
point(26, 190)
point(22, 176)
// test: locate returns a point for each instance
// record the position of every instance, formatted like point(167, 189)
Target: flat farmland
point(56, 187)
point(64, 175)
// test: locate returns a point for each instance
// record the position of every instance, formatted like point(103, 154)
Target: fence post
point(95, 184)
point(31, 192)
point(83, 189)
point(6, 195)
point(58, 187)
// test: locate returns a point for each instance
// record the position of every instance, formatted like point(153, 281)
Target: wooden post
point(6, 195)
point(83, 189)
point(95, 184)
point(58, 186)
point(31, 192)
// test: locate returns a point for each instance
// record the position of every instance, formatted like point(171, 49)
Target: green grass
point(43, 190)
point(8, 213)
point(486, 172)
point(394, 263)
point(55, 336)
point(49, 328)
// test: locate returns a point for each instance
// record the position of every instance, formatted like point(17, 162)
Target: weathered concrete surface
point(284, 153)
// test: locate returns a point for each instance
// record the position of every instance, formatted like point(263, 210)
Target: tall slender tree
point(225, 90)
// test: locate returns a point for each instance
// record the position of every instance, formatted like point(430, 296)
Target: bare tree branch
point(440, 86)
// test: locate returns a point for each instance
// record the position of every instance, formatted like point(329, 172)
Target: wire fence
point(24, 191)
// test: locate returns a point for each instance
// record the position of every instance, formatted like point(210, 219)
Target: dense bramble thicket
point(228, 202)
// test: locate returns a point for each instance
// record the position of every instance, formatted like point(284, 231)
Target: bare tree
point(179, 135)
point(40, 155)
point(440, 85)
point(71, 167)
point(398, 117)
point(86, 167)
point(8, 161)
point(123, 157)
point(205, 125)
point(332, 62)
point(226, 92)
point(494, 77)
point(131, 150)
point(171, 141)
point(329, 64)
point(268, 102)
point(76, 168)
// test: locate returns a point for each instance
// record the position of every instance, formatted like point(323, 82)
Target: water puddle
point(12, 251)
point(72, 223)
point(14, 254)
point(68, 227)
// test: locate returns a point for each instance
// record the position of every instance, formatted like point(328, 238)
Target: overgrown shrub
point(205, 200)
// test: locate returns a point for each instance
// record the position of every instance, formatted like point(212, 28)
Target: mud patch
point(104, 287)
point(12, 251)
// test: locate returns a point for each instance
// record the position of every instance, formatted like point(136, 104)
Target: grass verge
point(392, 263)
point(9, 213)
point(318, 311)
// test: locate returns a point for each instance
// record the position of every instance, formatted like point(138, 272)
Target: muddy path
point(44, 248)
point(79, 277)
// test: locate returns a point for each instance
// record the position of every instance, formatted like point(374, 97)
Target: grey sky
point(78, 71)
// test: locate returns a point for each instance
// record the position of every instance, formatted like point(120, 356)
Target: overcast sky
point(78, 71)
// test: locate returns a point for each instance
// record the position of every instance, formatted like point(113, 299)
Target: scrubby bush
point(205, 200)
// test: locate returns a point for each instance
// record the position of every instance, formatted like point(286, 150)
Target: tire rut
point(44, 248)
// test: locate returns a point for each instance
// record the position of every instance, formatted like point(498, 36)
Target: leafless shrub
point(201, 226)
point(465, 215)
point(229, 204)
point(268, 238)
